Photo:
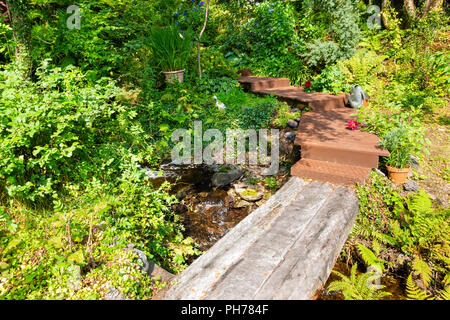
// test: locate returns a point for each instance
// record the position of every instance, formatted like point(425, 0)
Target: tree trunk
point(410, 9)
point(431, 5)
point(199, 38)
point(21, 26)
point(385, 4)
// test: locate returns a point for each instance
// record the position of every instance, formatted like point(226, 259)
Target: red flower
point(308, 84)
point(352, 124)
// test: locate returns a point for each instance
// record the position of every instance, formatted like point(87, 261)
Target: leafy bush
point(267, 43)
point(329, 80)
point(363, 68)
point(343, 27)
point(60, 130)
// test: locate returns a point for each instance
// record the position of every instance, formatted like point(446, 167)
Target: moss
point(250, 192)
point(224, 169)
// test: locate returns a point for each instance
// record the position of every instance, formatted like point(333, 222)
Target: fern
point(370, 258)
point(358, 287)
point(445, 294)
point(422, 269)
point(414, 292)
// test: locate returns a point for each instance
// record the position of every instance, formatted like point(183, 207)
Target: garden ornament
point(219, 104)
point(357, 97)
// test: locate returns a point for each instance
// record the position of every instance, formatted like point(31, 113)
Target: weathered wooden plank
point(201, 275)
point(309, 261)
point(244, 278)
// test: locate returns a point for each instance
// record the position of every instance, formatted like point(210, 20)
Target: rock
point(251, 195)
point(149, 267)
point(74, 280)
point(241, 204)
point(290, 136)
point(223, 178)
point(419, 283)
point(182, 193)
point(414, 162)
point(297, 119)
point(292, 123)
point(432, 196)
point(286, 147)
point(294, 110)
point(114, 294)
point(411, 185)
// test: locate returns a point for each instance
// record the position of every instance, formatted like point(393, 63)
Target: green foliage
point(400, 144)
point(420, 267)
point(343, 26)
point(370, 259)
point(271, 183)
point(61, 130)
point(362, 68)
point(358, 286)
point(170, 49)
point(330, 80)
point(268, 44)
point(284, 115)
point(414, 292)
point(257, 116)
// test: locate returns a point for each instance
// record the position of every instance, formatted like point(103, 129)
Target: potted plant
point(171, 50)
point(399, 142)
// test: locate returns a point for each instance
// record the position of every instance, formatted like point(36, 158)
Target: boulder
point(411, 185)
point(114, 294)
point(290, 136)
point(241, 204)
point(414, 162)
point(225, 177)
point(292, 123)
point(151, 268)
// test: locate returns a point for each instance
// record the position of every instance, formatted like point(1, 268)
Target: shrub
point(363, 68)
point(343, 28)
point(62, 129)
point(329, 80)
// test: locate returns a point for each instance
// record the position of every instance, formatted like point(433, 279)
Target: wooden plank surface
point(283, 250)
point(203, 273)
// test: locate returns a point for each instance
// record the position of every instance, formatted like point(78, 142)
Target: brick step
point(325, 171)
point(324, 136)
point(255, 83)
point(316, 101)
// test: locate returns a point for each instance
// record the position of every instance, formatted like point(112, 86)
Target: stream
point(206, 212)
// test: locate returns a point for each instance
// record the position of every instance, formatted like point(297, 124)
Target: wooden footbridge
point(286, 248)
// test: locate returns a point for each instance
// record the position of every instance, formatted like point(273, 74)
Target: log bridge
point(286, 248)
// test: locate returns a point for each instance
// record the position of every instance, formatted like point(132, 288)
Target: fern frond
point(370, 258)
point(358, 287)
point(422, 269)
point(445, 294)
point(414, 292)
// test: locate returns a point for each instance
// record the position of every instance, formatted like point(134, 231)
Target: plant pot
point(398, 175)
point(173, 76)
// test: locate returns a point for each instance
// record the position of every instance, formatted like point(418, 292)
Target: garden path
point(330, 152)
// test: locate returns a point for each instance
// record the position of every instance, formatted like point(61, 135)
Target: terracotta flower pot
point(398, 175)
point(172, 76)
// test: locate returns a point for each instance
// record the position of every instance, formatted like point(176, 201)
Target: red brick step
point(330, 172)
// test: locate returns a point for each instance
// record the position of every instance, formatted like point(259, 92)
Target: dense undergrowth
point(92, 105)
